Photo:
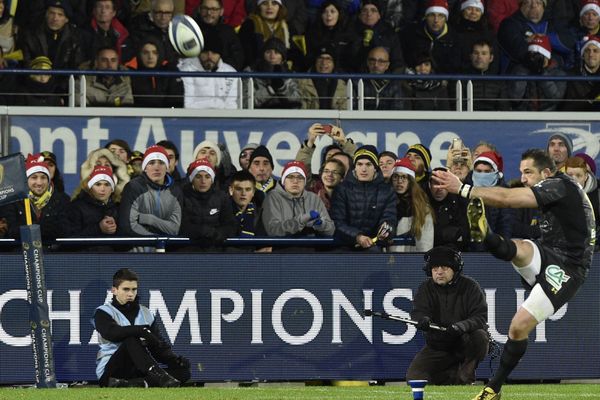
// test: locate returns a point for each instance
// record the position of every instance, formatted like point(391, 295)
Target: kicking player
point(554, 266)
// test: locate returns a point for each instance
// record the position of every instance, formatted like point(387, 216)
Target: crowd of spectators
point(477, 37)
point(361, 197)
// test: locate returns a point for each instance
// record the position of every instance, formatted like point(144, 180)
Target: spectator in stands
point(515, 37)
point(213, 153)
point(538, 95)
point(415, 215)
point(323, 93)
point(56, 39)
point(108, 90)
point(487, 95)
point(135, 163)
point(371, 31)
point(295, 14)
point(261, 167)
point(582, 168)
point(245, 154)
point(380, 94)
point(154, 91)
point(319, 131)
point(481, 147)
point(131, 346)
point(209, 93)
point(8, 82)
point(38, 90)
point(387, 160)
point(399, 13)
point(95, 212)
point(209, 15)
point(331, 174)
point(559, 147)
point(332, 29)
point(233, 11)
point(345, 159)
point(49, 209)
point(151, 203)
point(8, 31)
point(450, 211)
point(499, 10)
point(56, 178)
point(471, 26)
point(275, 92)
point(423, 93)
point(488, 171)
point(449, 299)
point(420, 156)
point(585, 95)
point(434, 37)
point(207, 216)
point(153, 24)
point(104, 30)
point(289, 210)
point(173, 155)
point(363, 206)
point(267, 21)
point(459, 160)
point(245, 212)
point(106, 158)
point(120, 148)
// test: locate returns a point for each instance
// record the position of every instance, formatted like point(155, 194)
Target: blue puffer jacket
point(361, 207)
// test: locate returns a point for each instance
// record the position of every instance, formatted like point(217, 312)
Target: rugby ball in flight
point(185, 36)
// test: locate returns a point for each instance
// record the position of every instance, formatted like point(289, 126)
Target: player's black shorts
point(559, 279)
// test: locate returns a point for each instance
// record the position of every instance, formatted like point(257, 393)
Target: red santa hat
point(492, 158)
point(201, 165)
point(35, 163)
point(540, 44)
point(472, 3)
point(101, 173)
point(589, 5)
point(437, 6)
point(592, 40)
point(155, 153)
point(404, 166)
point(292, 167)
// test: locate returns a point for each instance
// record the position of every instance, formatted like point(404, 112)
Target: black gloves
point(454, 330)
point(179, 362)
point(148, 337)
point(424, 324)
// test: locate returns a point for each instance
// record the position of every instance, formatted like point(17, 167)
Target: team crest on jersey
point(555, 276)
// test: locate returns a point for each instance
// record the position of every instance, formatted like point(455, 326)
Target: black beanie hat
point(443, 256)
point(262, 151)
point(423, 152)
point(368, 152)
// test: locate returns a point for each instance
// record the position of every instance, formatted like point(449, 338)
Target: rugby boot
point(487, 394)
point(159, 377)
point(126, 383)
point(478, 225)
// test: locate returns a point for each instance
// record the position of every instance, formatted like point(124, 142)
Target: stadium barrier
point(282, 317)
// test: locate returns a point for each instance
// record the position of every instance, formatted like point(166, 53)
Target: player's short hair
point(241, 176)
point(541, 159)
point(122, 275)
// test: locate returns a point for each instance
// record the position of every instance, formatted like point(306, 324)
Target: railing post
point(251, 94)
point(458, 96)
point(350, 94)
point(361, 95)
point(470, 99)
point(82, 92)
point(240, 93)
point(71, 91)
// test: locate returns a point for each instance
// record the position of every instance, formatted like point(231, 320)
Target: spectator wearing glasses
point(209, 14)
point(381, 94)
point(153, 24)
point(332, 174)
point(233, 11)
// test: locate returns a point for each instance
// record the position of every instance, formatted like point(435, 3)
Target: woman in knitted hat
point(94, 213)
point(415, 215)
point(48, 208)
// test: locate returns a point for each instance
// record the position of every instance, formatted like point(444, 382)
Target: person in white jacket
point(415, 215)
point(209, 93)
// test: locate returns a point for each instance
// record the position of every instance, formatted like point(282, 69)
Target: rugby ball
point(185, 36)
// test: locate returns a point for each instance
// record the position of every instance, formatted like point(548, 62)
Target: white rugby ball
point(185, 36)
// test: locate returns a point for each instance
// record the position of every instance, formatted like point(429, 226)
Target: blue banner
point(72, 138)
point(13, 182)
point(283, 317)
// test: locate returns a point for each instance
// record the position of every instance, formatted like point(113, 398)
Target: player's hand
point(454, 330)
point(424, 324)
point(446, 180)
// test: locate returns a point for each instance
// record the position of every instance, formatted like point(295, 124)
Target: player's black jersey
point(567, 221)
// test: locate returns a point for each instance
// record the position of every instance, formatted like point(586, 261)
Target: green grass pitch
point(516, 392)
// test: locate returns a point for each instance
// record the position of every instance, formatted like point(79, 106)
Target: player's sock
point(502, 248)
point(513, 351)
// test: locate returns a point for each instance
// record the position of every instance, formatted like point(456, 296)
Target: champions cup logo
point(25, 246)
point(45, 323)
point(33, 325)
point(37, 244)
